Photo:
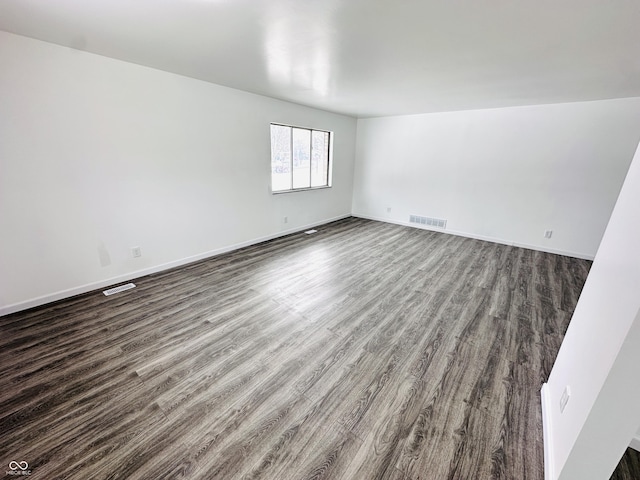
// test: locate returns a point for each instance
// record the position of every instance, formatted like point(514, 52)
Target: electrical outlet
point(548, 233)
point(564, 399)
point(136, 252)
point(388, 209)
point(285, 219)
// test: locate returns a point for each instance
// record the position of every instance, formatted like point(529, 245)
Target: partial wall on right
point(599, 357)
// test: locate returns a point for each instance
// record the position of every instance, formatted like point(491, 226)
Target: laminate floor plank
point(364, 351)
point(629, 466)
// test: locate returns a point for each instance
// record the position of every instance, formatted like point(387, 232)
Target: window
point(300, 158)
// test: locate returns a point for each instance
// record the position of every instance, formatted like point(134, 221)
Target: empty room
point(280, 239)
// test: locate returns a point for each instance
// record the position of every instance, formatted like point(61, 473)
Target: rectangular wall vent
point(428, 221)
point(119, 289)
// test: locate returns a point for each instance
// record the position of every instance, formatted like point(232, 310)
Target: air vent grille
point(428, 221)
point(119, 289)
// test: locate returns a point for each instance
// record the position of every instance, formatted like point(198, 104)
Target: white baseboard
point(62, 294)
point(70, 292)
point(549, 474)
point(635, 443)
point(501, 241)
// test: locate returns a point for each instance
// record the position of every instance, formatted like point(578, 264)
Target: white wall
point(99, 155)
point(600, 354)
point(505, 174)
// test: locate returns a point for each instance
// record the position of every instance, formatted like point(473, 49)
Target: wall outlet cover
point(564, 399)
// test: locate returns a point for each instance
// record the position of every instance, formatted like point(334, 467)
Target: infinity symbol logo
point(13, 465)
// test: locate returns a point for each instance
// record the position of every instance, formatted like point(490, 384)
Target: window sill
point(300, 190)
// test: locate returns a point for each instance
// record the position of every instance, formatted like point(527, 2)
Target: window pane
point(301, 158)
point(320, 159)
point(280, 158)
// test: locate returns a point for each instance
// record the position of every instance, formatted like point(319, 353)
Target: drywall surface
point(506, 175)
point(98, 156)
point(600, 354)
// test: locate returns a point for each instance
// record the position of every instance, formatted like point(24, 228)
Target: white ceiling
point(363, 57)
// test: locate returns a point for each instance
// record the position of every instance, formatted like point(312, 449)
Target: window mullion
point(310, 156)
point(291, 158)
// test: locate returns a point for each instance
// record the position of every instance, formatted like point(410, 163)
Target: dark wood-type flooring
point(365, 351)
point(629, 466)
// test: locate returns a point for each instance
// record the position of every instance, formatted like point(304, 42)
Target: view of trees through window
point(299, 158)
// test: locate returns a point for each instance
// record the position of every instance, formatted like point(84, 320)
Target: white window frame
point(329, 159)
